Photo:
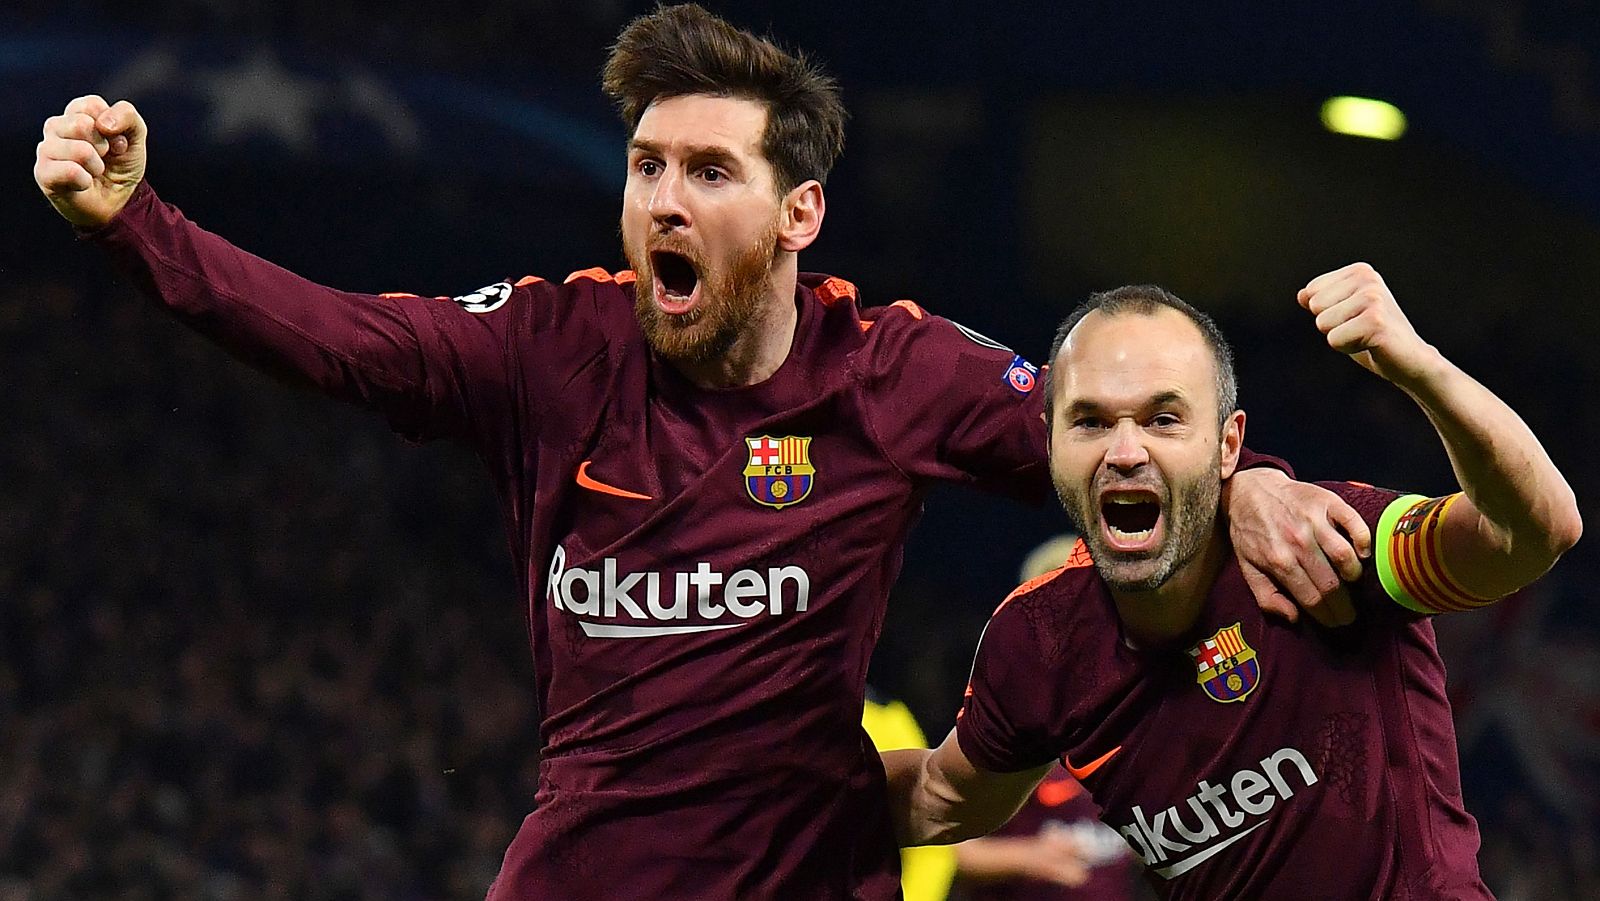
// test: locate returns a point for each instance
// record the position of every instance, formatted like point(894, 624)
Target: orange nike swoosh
point(1083, 772)
point(1054, 793)
point(585, 482)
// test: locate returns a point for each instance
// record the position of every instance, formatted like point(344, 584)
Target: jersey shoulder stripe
point(834, 289)
point(911, 307)
point(1078, 558)
point(598, 274)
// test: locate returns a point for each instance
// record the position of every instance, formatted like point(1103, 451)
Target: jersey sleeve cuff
point(985, 754)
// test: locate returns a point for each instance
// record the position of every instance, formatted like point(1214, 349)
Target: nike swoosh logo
point(1054, 793)
point(1083, 772)
point(584, 481)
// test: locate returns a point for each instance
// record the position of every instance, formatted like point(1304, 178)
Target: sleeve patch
point(1410, 560)
point(486, 299)
point(1021, 375)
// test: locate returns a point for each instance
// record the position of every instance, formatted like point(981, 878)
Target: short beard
point(1191, 512)
point(730, 299)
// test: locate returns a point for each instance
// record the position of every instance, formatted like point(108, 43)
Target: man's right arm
point(938, 796)
point(386, 353)
point(1516, 514)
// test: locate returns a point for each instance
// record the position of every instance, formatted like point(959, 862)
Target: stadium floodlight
point(1364, 118)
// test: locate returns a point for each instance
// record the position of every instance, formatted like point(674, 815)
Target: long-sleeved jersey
point(705, 572)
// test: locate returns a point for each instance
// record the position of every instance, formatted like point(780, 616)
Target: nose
point(1127, 451)
point(667, 207)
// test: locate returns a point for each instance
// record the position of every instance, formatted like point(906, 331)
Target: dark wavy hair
point(680, 50)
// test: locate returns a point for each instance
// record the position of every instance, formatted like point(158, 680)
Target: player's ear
point(1232, 441)
point(801, 216)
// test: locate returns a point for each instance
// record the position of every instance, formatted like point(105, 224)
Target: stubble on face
point(1189, 506)
point(730, 299)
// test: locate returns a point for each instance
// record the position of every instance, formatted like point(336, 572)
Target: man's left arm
point(1516, 514)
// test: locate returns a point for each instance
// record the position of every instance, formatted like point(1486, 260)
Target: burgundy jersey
point(1062, 804)
point(705, 571)
point(1251, 758)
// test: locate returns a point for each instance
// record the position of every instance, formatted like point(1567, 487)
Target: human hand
point(1360, 317)
point(91, 158)
point(1299, 536)
point(1054, 856)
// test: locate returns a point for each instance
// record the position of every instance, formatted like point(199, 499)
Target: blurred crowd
point(227, 669)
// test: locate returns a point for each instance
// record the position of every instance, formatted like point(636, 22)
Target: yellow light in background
point(1363, 118)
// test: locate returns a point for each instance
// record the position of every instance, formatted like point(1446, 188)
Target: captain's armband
point(1410, 560)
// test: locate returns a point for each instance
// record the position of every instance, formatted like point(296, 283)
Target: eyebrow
point(713, 153)
point(1160, 399)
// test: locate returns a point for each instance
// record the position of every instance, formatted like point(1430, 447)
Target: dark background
point(253, 646)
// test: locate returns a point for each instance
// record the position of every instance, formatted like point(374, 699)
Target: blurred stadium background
point(251, 646)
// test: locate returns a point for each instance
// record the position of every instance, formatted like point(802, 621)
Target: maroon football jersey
point(1251, 758)
point(1061, 804)
point(705, 571)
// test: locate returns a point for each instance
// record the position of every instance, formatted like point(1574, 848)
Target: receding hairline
point(1152, 311)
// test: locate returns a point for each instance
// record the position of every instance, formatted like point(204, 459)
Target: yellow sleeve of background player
point(1410, 559)
point(925, 872)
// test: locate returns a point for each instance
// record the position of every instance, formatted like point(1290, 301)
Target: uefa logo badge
point(1021, 375)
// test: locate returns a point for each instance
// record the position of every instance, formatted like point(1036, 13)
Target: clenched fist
point(1360, 317)
point(90, 160)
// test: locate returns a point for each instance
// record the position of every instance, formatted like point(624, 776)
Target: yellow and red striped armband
point(1410, 559)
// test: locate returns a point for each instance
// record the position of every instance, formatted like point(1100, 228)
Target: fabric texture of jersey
point(705, 572)
point(1252, 758)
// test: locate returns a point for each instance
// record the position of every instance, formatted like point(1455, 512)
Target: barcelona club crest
point(1228, 667)
point(779, 472)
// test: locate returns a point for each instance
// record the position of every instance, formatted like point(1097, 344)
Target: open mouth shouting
point(677, 282)
point(1131, 520)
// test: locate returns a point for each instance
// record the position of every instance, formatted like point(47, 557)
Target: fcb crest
point(779, 472)
point(1228, 668)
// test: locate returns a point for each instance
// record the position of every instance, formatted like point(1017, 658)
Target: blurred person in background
point(1241, 756)
point(708, 465)
point(926, 871)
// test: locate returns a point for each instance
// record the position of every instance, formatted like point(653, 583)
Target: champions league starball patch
point(779, 472)
point(1021, 375)
point(1228, 668)
point(486, 299)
